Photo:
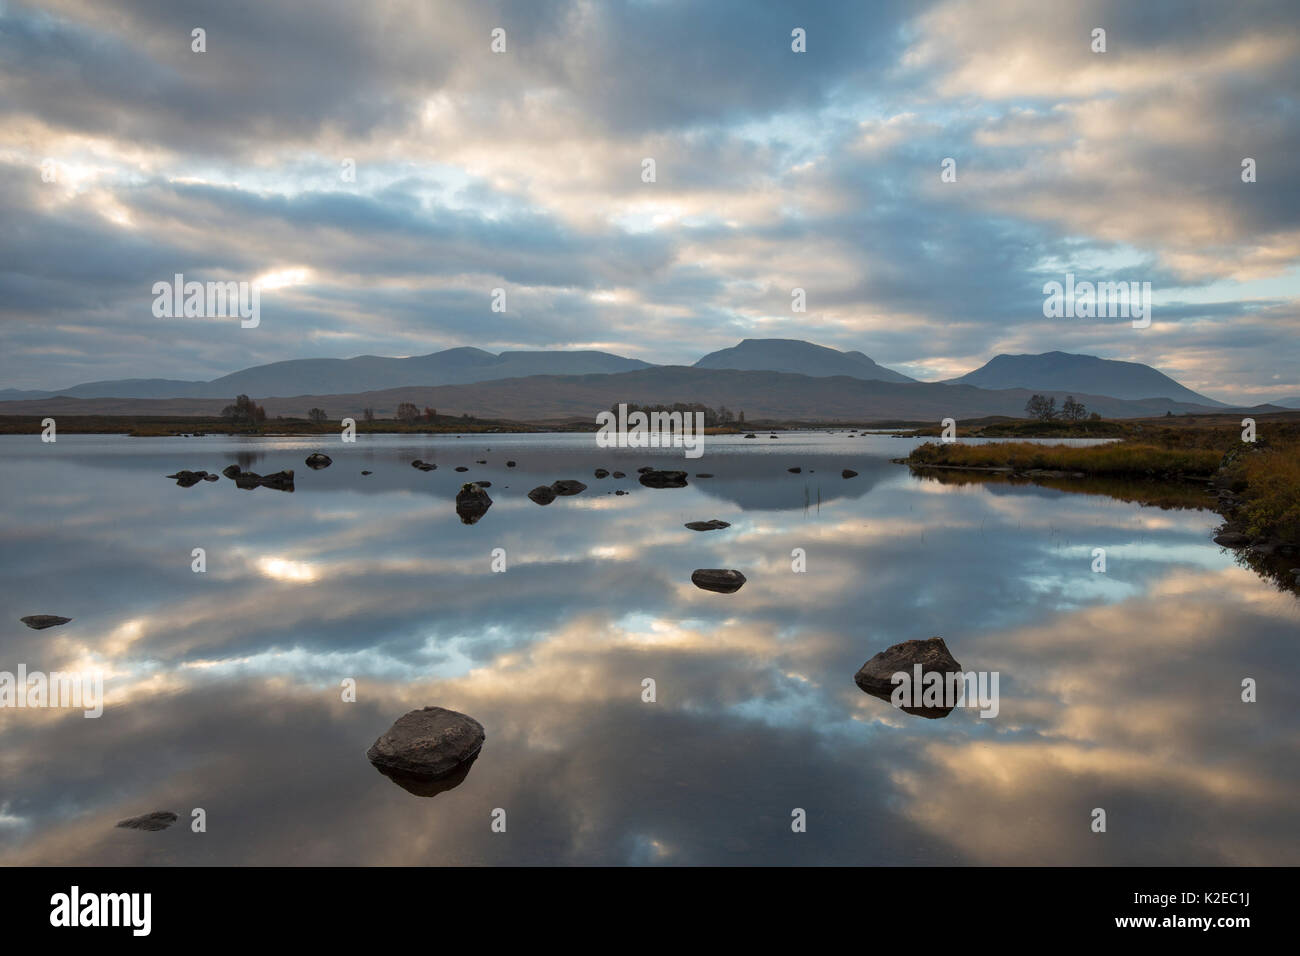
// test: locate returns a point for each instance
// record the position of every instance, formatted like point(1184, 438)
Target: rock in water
point(663, 479)
point(230, 471)
point(428, 743)
point(158, 820)
point(619, 474)
point(848, 473)
point(317, 461)
point(875, 677)
point(461, 468)
point(568, 486)
point(472, 502)
point(601, 473)
point(187, 479)
point(510, 464)
point(713, 524)
point(1232, 539)
point(795, 470)
point(280, 481)
point(247, 480)
point(542, 494)
point(39, 622)
point(717, 579)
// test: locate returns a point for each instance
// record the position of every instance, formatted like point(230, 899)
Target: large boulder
point(875, 677)
point(718, 579)
point(472, 502)
point(39, 622)
point(428, 743)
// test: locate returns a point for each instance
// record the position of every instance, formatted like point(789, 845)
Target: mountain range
point(769, 378)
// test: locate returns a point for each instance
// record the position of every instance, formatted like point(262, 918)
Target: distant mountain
point(760, 395)
point(1292, 402)
point(799, 358)
point(1064, 372)
point(365, 373)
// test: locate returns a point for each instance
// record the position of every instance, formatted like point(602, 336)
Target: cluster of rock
point(423, 465)
point(187, 479)
point(545, 494)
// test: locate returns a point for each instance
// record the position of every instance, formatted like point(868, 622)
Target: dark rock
point(510, 464)
point(567, 486)
point(619, 474)
point(601, 473)
point(472, 502)
point(704, 474)
point(751, 435)
point(663, 479)
point(429, 743)
point(773, 436)
point(318, 461)
point(643, 469)
point(875, 677)
point(461, 468)
point(39, 622)
point(1232, 539)
point(542, 494)
point(483, 484)
point(795, 470)
point(366, 473)
point(481, 461)
point(711, 525)
point(620, 492)
point(848, 473)
point(280, 481)
point(211, 477)
point(717, 579)
point(158, 820)
point(230, 471)
point(429, 786)
point(187, 479)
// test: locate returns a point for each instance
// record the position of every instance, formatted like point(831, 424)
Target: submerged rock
point(718, 579)
point(568, 486)
point(39, 622)
point(158, 820)
point(663, 479)
point(875, 677)
point(542, 494)
point(318, 461)
point(704, 474)
point(472, 502)
point(429, 743)
point(712, 524)
point(1232, 539)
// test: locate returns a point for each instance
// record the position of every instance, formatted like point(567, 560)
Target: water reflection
point(1119, 690)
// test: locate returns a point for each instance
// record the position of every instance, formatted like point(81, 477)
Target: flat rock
point(663, 479)
point(39, 622)
point(567, 486)
point(158, 820)
point(711, 525)
point(428, 743)
point(718, 579)
point(875, 677)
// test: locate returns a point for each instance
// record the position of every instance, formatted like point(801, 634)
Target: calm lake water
point(1119, 690)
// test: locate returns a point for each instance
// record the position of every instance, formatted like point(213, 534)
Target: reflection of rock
point(428, 744)
point(848, 473)
point(663, 479)
point(158, 820)
point(429, 786)
point(717, 579)
point(875, 677)
point(317, 461)
point(568, 486)
point(280, 481)
point(39, 622)
point(542, 494)
point(472, 503)
point(713, 524)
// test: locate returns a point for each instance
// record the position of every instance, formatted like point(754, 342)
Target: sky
point(378, 169)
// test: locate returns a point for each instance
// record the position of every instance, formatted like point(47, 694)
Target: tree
point(1044, 409)
point(1073, 411)
point(244, 412)
point(408, 413)
point(317, 415)
point(368, 414)
point(430, 413)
